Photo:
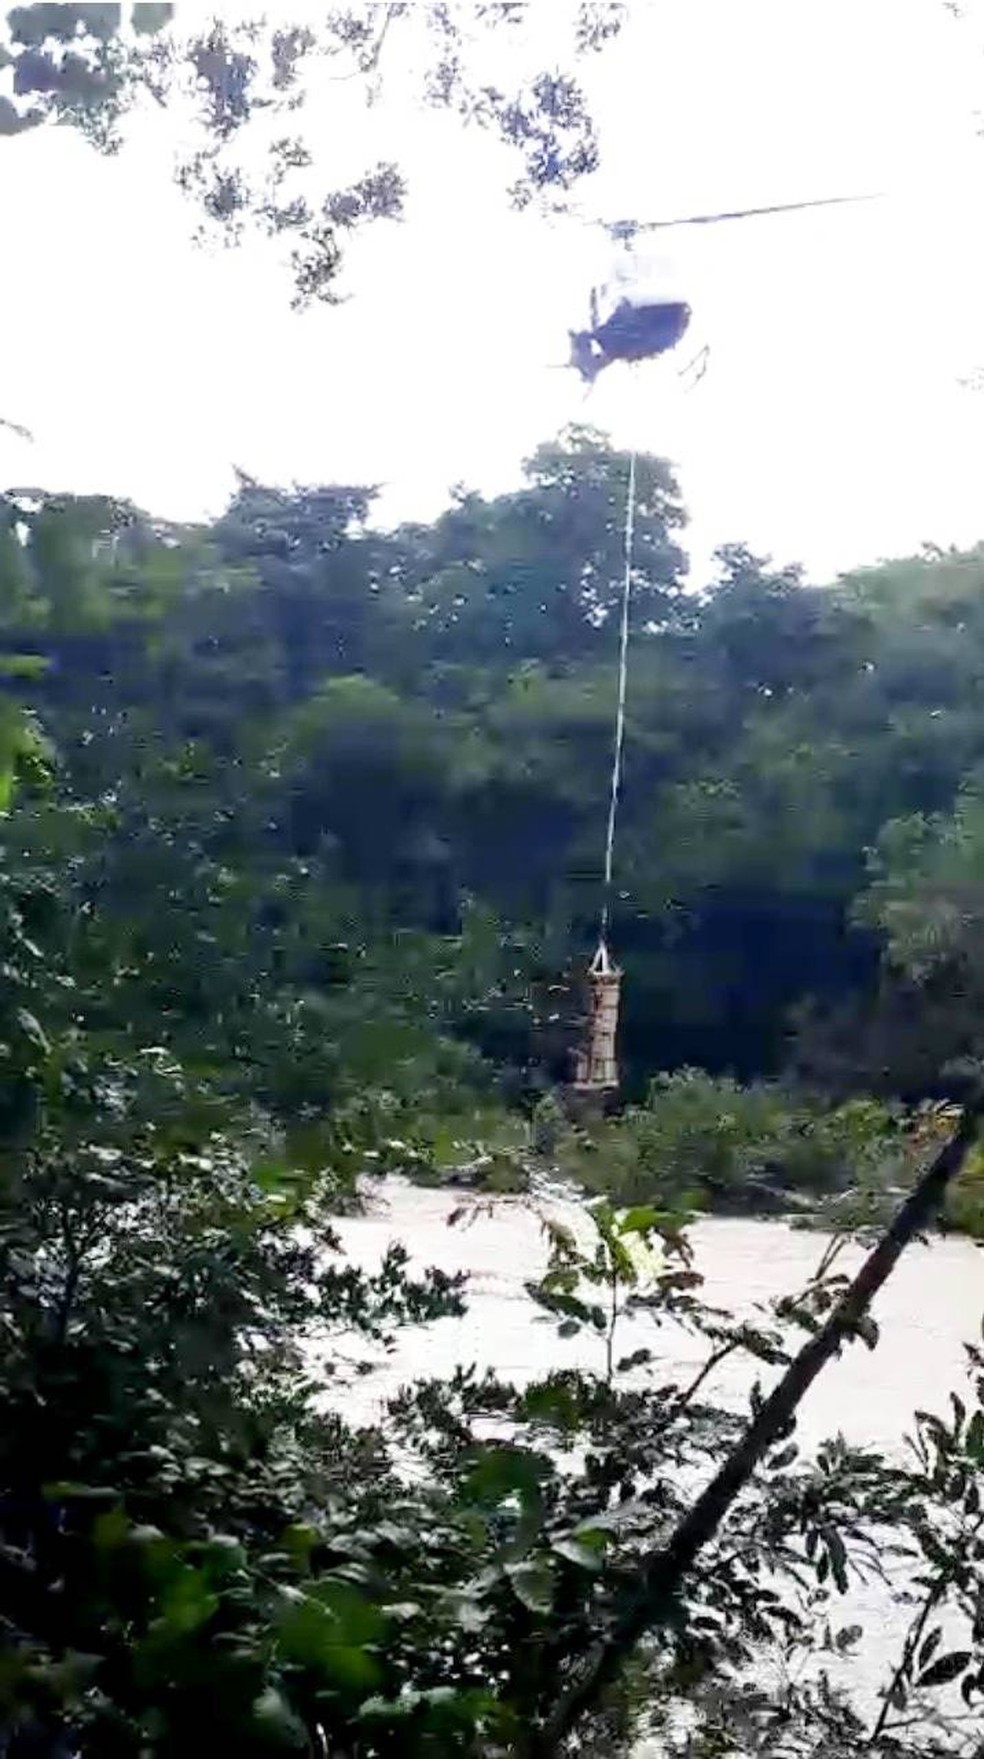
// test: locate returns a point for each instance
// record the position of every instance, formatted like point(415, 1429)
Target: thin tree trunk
point(661, 1578)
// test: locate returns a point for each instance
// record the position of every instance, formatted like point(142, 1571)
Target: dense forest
point(321, 807)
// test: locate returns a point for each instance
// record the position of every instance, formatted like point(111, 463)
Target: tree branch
point(913, 1638)
point(662, 1575)
point(937, 1592)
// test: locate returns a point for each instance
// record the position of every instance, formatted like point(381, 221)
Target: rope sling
point(596, 1066)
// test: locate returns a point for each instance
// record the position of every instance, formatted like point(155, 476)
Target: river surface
point(932, 1303)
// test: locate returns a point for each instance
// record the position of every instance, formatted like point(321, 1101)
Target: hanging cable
point(596, 1063)
point(628, 545)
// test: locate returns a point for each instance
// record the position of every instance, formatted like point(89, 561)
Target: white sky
point(830, 426)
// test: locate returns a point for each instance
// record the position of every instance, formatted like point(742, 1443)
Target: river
point(933, 1303)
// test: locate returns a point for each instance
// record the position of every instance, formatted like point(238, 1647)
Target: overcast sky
point(830, 426)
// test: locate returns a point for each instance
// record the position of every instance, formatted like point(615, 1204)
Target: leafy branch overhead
point(254, 91)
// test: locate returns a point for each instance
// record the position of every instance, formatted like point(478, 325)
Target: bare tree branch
point(659, 1581)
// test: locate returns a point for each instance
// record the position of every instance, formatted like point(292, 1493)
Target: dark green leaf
point(643, 1219)
point(586, 1557)
point(946, 1669)
point(532, 1582)
point(838, 1558)
point(187, 1603)
point(501, 1472)
point(929, 1647)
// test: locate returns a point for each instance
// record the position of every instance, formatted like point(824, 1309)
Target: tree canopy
point(381, 740)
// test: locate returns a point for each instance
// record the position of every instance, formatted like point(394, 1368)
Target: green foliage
point(965, 1201)
point(709, 1141)
point(351, 790)
point(925, 894)
point(158, 1436)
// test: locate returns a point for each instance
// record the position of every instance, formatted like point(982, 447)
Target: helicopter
point(640, 315)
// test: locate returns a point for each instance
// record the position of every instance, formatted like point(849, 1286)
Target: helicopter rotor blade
point(15, 427)
point(627, 228)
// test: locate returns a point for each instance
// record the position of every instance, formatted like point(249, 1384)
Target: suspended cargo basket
point(596, 1065)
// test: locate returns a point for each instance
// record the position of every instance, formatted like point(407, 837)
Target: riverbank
point(706, 1143)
